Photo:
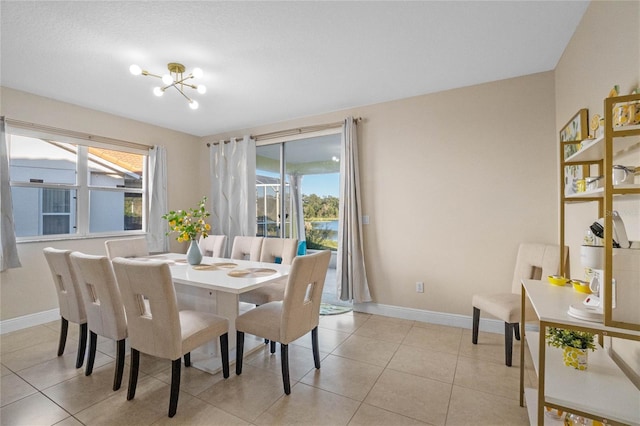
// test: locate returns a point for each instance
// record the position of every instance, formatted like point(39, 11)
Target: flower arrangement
point(561, 338)
point(189, 223)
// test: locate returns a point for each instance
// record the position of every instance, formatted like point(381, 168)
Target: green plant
point(561, 338)
point(189, 223)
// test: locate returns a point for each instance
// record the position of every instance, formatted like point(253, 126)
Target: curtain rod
point(291, 132)
point(74, 134)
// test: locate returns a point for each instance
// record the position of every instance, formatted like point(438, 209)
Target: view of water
point(332, 225)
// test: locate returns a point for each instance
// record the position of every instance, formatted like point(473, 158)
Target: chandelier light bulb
point(167, 79)
point(177, 78)
point(135, 69)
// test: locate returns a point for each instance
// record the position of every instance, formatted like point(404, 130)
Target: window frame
point(82, 186)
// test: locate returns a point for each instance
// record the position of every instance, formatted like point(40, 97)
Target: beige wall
point(604, 51)
point(29, 289)
point(452, 183)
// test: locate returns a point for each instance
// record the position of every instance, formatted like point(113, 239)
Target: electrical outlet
point(419, 287)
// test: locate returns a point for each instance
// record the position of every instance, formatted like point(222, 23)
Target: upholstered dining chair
point(279, 250)
point(69, 299)
point(246, 248)
point(283, 249)
point(159, 328)
point(287, 320)
point(534, 261)
point(103, 304)
point(213, 245)
point(274, 250)
point(127, 247)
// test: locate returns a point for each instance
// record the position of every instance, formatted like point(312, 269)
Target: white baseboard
point(441, 318)
point(26, 321)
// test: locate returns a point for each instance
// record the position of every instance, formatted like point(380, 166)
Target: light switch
point(365, 220)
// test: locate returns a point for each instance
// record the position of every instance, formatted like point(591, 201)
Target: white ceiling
point(266, 62)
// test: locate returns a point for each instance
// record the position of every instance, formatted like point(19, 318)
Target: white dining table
point(215, 286)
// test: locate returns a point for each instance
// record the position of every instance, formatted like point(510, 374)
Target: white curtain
point(156, 226)
point(233, 188)
point(9, 253)
point(295, 182)
point(350, 269)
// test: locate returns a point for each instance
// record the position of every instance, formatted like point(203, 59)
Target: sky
point(321, 185)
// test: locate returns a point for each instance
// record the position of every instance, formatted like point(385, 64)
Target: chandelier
point(176, 79)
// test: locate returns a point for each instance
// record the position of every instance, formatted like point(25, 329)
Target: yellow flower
point(207, 226)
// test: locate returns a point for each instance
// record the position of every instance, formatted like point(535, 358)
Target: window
point(63, 187)
point(299, 177)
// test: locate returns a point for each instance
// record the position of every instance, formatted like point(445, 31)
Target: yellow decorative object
point(189, 224)
point(576, 358)
point(580, 288)
point(557, 280)
point(614, 91)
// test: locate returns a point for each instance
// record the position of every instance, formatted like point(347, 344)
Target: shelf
point(599, 193)
point(551, 303)
point(593, 149)
point(568, 387)
point(531, 397)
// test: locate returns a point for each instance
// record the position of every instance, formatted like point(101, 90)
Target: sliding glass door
point(297, 184)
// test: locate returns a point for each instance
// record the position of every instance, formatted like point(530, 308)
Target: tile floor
point(375, 371)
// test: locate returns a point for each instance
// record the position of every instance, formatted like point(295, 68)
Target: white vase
point(194, 255)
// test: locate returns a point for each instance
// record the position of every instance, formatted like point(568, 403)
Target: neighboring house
point(46, 179)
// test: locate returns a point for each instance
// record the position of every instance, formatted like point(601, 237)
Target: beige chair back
point(247, 247)
point(213, 245)
point(283, 248)
point(155, 331)
point(101, 295)
point(536, 261)
point(302, 296)
point(127, 247)
point(67, 288)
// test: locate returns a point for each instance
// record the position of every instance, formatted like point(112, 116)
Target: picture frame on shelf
point(576, 130)
point(572, 174)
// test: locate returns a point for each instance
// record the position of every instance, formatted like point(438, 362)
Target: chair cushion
point(504, 306)
point(199, 328)
point(263, 321)
point(265, 294)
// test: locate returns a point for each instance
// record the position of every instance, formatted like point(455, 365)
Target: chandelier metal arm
point(177, 78)
point(182, 93)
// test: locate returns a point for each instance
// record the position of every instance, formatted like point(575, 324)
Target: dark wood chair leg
point(175, 386)
point(224, 353)
point(508, 343)
point(516, 330)
point(187, 359)
point(316, 349)
point(476, 325)
point(64, 327)
point(93, 342)
point(239, 351)
point(284, 355)
point(133, 374)
point(82, 344)
point(272, 347)
point(120, 352)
